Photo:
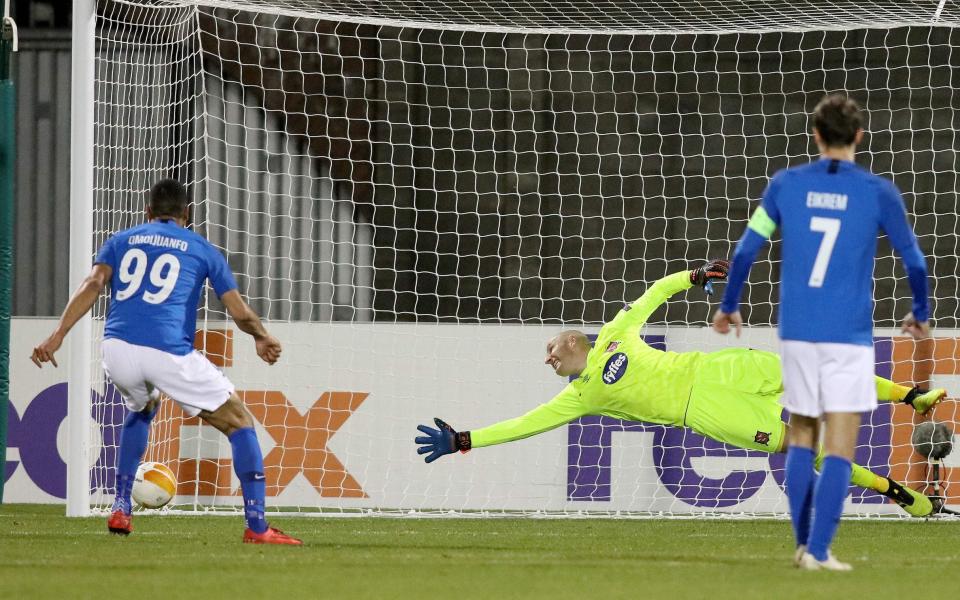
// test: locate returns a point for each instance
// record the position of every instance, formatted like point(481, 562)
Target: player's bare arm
point(723, 320)
point(79, 304)
point(268, 347)
point(918, 330)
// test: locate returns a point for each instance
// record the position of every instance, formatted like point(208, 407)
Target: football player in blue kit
point(156, 273)
point(830, 213)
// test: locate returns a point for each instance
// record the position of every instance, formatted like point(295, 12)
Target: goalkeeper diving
point(731, 395)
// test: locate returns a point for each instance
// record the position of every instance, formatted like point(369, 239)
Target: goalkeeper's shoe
point(120, 523)
point(923, 400)
point(912, 501)
point(270, 536)
point(809, 563)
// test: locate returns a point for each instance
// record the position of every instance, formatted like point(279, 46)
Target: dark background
point(549, 177)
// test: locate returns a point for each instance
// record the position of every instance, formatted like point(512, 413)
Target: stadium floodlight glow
point(417, 196)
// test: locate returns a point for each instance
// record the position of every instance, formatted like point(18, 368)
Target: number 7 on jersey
point(830, 228)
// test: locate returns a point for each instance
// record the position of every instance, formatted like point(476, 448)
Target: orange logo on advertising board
point(301, 445)
point(300, 438)
point(302, 441)
point(914, 363)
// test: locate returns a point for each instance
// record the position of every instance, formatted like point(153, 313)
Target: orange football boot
point(270, 536)
point(120, 523)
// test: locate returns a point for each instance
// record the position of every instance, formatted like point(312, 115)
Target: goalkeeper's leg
point(913, 502)
point(752, 421)
point(740, 371)
point(920, 399)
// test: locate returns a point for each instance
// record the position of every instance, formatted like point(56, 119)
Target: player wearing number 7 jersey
point(830, 212)
point(156, 273)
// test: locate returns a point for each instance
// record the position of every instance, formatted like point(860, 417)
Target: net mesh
point(609, 16)
point(417, 195)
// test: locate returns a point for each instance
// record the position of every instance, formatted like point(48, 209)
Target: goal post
point(82, 193)
point(417, 196)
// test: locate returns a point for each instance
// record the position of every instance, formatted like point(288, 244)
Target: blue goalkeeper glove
point(439, 442)
point(704, 276)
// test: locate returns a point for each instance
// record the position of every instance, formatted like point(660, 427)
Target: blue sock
point(828, 500)
point(248, 464)
point(800, 477)
point(133, 443)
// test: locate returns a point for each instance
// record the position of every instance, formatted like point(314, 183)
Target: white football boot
point(801, 550)
point(809, 563)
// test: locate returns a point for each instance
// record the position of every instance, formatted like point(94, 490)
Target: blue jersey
point(830, 213)
point(158, 273)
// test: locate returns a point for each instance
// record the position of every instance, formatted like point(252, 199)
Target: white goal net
point(417, 195)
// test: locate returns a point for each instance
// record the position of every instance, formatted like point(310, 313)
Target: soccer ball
point(154, 486)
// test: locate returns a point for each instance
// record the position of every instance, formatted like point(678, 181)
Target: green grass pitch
point(45, 555)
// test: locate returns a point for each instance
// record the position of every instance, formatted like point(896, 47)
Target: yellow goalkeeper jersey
point(624, 378)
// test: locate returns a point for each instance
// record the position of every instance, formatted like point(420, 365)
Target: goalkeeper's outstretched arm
point(565, 407)
point(637, 313)
point(567, 354)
